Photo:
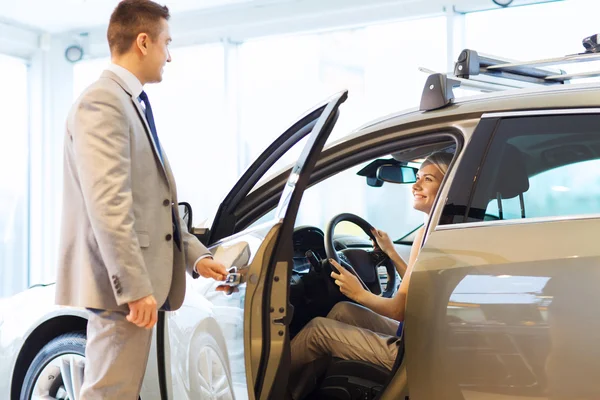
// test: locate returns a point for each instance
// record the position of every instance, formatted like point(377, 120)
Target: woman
point(370, 331)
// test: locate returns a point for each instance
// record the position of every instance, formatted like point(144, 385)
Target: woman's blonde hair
point(441, 159)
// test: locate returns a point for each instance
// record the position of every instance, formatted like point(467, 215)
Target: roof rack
point(489, 73)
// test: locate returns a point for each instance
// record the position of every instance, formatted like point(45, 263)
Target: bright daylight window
point(14, 173)
point(535, 31)
point(282, 77)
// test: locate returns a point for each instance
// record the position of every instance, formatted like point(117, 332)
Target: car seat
point(354, 380)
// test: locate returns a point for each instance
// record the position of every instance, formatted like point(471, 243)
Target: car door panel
point(267, 312)
point(508, 318)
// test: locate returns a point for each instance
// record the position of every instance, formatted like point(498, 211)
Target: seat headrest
point(512, 179)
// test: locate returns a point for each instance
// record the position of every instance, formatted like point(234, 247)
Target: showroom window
point(536, 31)
point(189, 110)
point(86, 72)
point(14, 176)
point(284, 76)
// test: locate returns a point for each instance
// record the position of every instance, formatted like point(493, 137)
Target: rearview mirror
point(397, 173)
point(387, 170)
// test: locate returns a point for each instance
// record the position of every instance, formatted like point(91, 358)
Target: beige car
point(502, 302)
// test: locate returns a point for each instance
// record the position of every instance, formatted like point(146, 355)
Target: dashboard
point(307, 238)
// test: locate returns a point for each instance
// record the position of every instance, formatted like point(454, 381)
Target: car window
point(541, 166)
point(562, 191)
point(388, 207)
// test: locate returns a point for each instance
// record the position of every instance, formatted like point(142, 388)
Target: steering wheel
point(362, 263)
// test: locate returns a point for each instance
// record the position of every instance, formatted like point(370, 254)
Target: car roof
point(554, 97)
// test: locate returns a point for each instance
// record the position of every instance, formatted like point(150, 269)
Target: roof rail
point(470, 64)
point(489, 73)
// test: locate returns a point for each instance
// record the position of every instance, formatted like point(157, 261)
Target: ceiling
point(63, 15)
point(55, 16)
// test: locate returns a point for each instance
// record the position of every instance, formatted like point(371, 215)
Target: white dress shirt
point(133, 83)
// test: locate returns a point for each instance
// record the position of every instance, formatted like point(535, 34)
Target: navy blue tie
point(150, 119)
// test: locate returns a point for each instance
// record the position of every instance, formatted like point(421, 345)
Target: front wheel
point(210, 377)
point(56, 372)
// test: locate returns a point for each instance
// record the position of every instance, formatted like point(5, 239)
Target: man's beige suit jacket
point(117, 241)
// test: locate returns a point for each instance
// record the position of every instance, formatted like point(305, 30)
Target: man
point(124, 250)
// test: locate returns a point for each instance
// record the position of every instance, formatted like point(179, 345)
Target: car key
point(233, 278)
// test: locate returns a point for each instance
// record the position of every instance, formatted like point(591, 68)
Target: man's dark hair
point(129, 19)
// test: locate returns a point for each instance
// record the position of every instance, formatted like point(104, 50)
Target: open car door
point(227, 218)
point(267, 312)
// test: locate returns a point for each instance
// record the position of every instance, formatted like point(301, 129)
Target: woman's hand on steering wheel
point(348, 283)
point(383, 241)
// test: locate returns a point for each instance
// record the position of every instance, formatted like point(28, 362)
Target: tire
point(68, 344)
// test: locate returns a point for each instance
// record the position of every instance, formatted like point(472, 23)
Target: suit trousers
point(350, 332)
point(116, 357)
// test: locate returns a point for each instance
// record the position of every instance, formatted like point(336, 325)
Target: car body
point(501, 304)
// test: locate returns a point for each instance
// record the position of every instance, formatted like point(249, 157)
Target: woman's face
point(426, 187)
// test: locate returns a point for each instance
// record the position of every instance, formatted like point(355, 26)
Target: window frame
point(347, 155)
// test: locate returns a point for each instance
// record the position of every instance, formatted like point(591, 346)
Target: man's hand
point(209, 268)
point(348, 283)
point(143, 312)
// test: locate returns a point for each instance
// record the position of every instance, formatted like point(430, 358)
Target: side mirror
point(185, 212)
point(397, 173)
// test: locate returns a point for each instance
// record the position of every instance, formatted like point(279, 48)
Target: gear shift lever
point(314, 261)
